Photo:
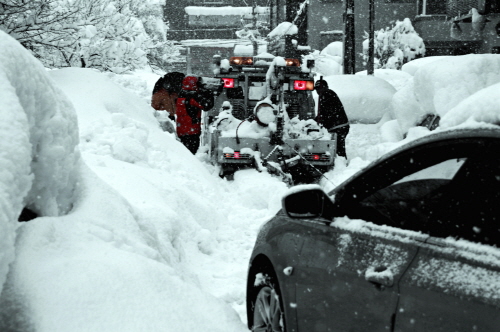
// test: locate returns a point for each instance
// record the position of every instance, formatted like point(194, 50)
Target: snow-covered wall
point(38, 149)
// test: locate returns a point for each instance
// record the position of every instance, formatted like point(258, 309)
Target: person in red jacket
point(193, 99)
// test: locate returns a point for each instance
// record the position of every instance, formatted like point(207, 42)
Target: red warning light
point(303, 85)
point(228, 82)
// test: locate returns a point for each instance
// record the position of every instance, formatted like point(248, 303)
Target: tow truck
point(264, 118)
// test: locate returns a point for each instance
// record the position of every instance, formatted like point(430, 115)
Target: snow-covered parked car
point(266, 120)
point(39, 157)
point(410, 243)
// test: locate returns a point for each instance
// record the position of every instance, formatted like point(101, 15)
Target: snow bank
point(397, 78)
point(39, 159)
point(483, 106)
point(365, 98)
point(107, 267)
point(124, 258)
point(411, 67)
point(439, 86)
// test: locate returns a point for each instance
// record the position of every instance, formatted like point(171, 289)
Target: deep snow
point(155, 241)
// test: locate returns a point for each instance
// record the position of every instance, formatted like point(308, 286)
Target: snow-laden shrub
point(395, 46)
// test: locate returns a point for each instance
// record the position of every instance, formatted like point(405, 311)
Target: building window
point(432, 7)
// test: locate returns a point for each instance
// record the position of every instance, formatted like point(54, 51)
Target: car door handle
point(380, 276)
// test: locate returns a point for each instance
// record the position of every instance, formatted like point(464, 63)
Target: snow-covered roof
point(223, 11)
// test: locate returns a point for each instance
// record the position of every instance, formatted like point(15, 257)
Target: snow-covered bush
point(395, 46)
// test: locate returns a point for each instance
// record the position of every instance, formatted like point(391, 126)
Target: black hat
point(321, 84)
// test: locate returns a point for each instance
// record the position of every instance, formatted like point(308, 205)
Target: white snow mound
point(39, 156)
point(366, 99)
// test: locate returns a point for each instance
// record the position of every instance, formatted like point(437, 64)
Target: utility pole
point(371, 40)
point(290, 13)
point(349, 50)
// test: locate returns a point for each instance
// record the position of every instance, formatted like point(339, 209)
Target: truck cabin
point(247, 81)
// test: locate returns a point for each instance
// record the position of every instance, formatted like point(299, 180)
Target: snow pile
point(366, 99)
point(483, 106)
point(397, 78)
point(439, 86)
point(283, 29)
point(123, 258)
point(325, 63)
point(412, 66)
point(39, 155)
point(335, 49)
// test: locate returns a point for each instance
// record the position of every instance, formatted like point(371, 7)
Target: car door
point(454, 282)
point(451, 288)
point(442, 190)
point(347, 278)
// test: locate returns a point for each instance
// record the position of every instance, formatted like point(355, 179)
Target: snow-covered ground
point(155, 240)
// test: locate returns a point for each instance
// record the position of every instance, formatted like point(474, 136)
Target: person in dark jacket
point(193, 99)
point(165, 93)
point(331, 114)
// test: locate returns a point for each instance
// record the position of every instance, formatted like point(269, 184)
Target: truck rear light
point(292, 62)
point(228, 82)
point(236, 155)
point(303, 85)
point(241, 61)
point(317, 157)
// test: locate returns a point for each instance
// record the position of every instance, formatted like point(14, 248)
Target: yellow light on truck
point(241, 61)
point(292, 62)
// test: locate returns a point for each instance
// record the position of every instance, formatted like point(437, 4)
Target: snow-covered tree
point(44, 27)
point(161, 53)
point(113, 35)
point(395, 46)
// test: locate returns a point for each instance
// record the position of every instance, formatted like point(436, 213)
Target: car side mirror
point(307, 201)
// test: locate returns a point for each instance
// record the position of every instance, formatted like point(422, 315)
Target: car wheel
point(268, 314)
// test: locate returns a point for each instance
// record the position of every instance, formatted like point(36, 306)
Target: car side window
point(456, 197)
point(444, 170)
point(406, 203)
